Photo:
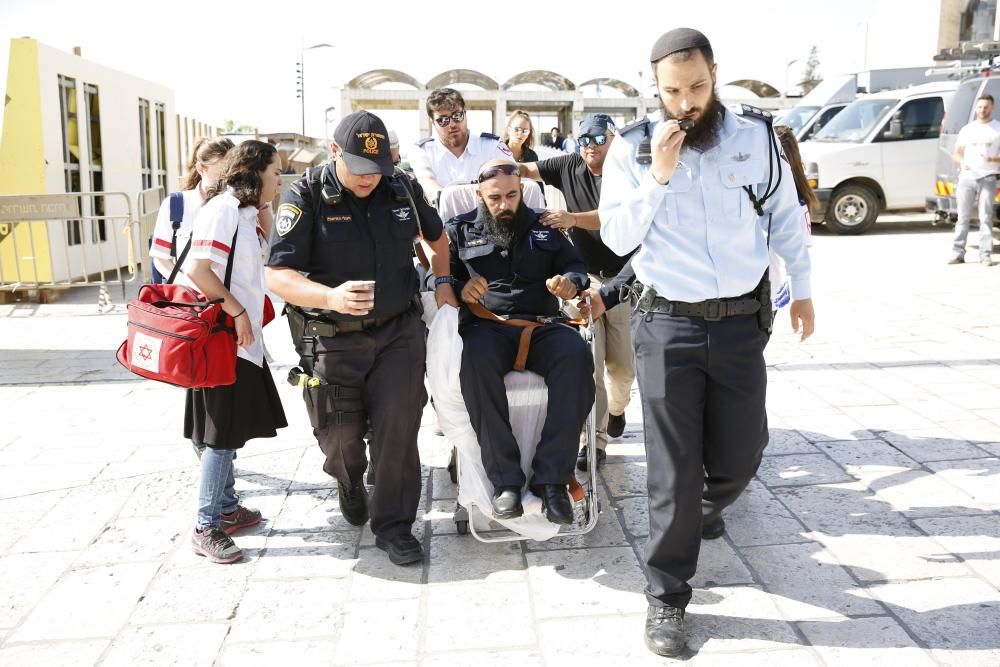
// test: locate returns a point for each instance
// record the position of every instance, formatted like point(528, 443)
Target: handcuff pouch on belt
point(646, 302)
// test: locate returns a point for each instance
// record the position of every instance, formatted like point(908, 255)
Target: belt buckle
point(713, 310)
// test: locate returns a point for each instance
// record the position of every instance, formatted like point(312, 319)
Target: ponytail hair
point(205, 151)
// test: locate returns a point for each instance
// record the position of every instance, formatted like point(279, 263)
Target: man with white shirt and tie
point(702, 192)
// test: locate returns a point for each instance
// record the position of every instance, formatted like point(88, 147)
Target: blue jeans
point(216, 491)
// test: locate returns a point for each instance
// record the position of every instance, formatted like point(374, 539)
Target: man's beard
point(706, 129)
point(504, 229)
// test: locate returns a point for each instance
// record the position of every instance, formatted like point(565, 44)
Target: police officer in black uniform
point(342, 260)
point(503, 257)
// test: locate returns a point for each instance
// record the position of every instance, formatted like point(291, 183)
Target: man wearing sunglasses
point(578, 176)
point(452, 155)
point(507, 262)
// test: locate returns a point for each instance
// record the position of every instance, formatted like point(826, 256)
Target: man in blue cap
point(579, 176)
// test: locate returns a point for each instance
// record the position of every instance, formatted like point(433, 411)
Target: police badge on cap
point(364, 144)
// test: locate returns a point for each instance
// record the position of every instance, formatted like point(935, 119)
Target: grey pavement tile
point(443, 486)
point(800, 470)
point(53, 654)
point(974, 539)
point(68, 610)
point(440, 518)
point(806, 583)
point(493, 658)
point(134, 539)
point(839, 509)
point(776, 658)
point(625, 479)
point(784, 441)
point(874, 641)
point(887, 417)
point(316, 613)
point(180, 595)
point(162, 493)
point(636, 514)
point(918, 493)
point(24, 578)
point(310, 554)
point(851, 394)
point(603, 640)
point(378, 632)
point(463, 558)
point(375, 577)
point(925, 445)
point(736, 619)
point(818, 428)
point(758, 517)
point(456, 615)
point(992, 414)
point(282, 463)
point(719, 565)
point(975, 430)
point(316, 509)
point(959, 616)
point(980, 478)
point(585, 582)
point(268, 654)
point(937, 410)
point(858, 456)
point(891, 557)
point(193, 645)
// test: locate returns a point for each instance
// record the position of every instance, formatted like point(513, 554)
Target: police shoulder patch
point(288, 216)
point(639, 122)
point(488, 135)
point(420, 144)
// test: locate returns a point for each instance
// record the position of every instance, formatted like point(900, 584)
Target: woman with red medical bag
point(223, 418)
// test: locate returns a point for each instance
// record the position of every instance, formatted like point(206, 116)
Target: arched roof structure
point(540, 77)
point(758, 88)
point(470, 76)
point(617, 84)
point(377, 77)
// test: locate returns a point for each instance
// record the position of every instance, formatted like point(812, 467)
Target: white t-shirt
point(213, 231)
point(432, 158)
point(163, 230)
point(979, 140)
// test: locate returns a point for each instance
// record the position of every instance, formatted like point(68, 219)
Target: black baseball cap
point(594, 123)
point(676, 40)
point(364, 144)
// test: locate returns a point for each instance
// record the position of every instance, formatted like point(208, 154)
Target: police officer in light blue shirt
point(701, 192)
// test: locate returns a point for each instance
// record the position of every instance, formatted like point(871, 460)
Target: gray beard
point(502, 233)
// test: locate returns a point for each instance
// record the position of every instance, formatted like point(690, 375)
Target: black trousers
point(387, 363)
point(559, 355)
point(703, 388)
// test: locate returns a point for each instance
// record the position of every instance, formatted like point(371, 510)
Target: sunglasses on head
point(445, 121)
point(500, 169)
point(599, 139)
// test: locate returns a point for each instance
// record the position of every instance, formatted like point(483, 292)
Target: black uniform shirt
point(582, 191)
point(355, 239)
point(516, 276)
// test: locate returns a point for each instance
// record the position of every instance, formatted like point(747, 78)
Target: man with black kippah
point(702, 192)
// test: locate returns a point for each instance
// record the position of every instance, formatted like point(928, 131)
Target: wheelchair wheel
point(453, 466)
point(462, 527)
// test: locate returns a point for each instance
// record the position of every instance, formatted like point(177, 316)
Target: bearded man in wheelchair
point(511, 271)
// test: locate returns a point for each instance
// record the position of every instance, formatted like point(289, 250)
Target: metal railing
point(147, 206)
point(103, 261)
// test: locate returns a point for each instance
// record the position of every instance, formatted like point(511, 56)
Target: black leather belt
point(712, 310)
point(330, 329)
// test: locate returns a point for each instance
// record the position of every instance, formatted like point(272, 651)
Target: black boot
point(665, 631)
point(354, 503)
point(507, 503)
point(556, 503)
point(713, 529)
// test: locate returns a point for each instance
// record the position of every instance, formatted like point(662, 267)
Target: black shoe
point(714, 529)
point(402, 549)
point(507, 503)
point(354, 503)
point(957, 260)
point(556, 502)
point(583, 460)
point(616, 425)
point(665, 631)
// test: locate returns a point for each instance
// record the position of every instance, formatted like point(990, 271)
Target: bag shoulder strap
point(176, 217)
point(229, 263)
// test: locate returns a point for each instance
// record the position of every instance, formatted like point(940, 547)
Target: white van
point(877, 154)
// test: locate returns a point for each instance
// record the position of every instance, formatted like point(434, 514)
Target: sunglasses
point(445, 121)
point(599, 139)
point(500, 169)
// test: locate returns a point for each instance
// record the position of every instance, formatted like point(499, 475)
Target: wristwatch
point(442, 280)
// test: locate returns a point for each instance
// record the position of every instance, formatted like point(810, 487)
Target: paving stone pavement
point(871, 535)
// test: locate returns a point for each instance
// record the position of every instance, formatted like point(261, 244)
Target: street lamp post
point(326, 124)
point(301, 72)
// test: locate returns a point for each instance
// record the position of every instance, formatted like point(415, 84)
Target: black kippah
point(676, 40)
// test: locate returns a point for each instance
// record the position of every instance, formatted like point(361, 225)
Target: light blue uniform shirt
point(699, 237)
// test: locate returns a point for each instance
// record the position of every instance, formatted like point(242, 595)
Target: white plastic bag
point(527, 396)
